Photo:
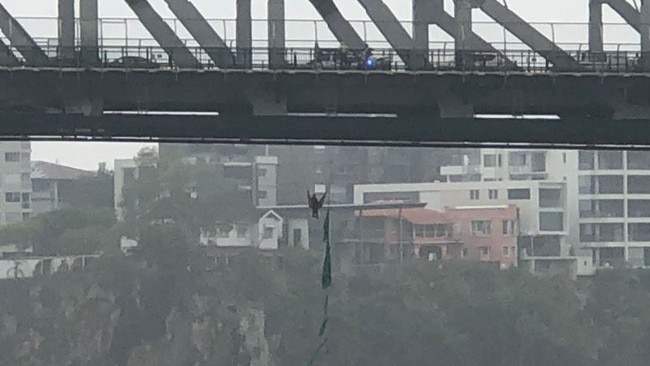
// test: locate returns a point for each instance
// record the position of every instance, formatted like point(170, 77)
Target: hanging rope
point(326, 283)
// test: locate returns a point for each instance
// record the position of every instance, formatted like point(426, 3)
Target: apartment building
point(16, 187)
point(53, 185)
point(542, 206)
point(614, 206)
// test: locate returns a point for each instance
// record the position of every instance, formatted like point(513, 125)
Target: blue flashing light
point(370, 62)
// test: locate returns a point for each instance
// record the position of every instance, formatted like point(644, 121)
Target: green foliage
point(177, 308)
point(194, 196)
point(66, 231)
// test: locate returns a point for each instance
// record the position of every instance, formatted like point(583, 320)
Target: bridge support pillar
point(595, 26)
point(66, 30)
point(244, 34)
point(464, 53)
point(277, 50)
point(89, 24)
point(645, 34)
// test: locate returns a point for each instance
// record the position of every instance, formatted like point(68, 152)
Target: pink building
point(487, 234)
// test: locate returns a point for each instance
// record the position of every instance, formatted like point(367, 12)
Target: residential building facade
point(16, 187)
point(614, 205)
point(51, 184)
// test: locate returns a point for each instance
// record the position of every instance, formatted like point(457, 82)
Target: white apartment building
point(608, 195)
point(15, 181)
point(614, 206)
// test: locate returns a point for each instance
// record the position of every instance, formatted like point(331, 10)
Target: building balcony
point(460, 170)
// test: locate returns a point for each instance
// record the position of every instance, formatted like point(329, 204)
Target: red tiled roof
point(418, 216)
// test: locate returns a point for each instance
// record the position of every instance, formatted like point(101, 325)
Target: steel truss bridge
point(219, 80)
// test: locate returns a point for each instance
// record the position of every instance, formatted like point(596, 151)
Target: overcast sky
point(88, 155)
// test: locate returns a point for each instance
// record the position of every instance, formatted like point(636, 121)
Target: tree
point(65, 231)
point(91, 191)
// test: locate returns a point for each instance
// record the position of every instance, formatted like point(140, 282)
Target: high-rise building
point(16, 187)
point(614, 206)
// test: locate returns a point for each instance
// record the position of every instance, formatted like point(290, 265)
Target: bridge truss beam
point(276, 34)
point(163, 34)
point(66, 29)
point(89, 31)
point(529, 35)
point(202, 32)
point(337, 24)
point(427, 12)
point(21, 40)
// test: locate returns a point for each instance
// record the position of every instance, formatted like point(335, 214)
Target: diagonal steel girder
point(202, 32)
point(163, 34)
point(529, 35)
point(631, 15)
point(400, 40)
point(392, 30)
point(21, 40)
point(449, 25)
point(338, 25)
point(7, 58)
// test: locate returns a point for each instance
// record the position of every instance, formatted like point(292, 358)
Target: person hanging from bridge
point(315, 204)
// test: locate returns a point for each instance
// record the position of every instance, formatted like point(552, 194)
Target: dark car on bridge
point(134, 62)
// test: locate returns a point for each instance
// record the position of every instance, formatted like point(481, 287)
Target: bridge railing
point(312, 58)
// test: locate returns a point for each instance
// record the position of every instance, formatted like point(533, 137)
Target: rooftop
point(46, 170)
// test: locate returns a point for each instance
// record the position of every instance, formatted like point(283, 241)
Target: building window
point(12, 197)
point(242, 231)
point(609, 184)
point(268, 232)
point(489, 161)
point(506, 251)
point(474, 194)
point(610, 160)
point(519, 194)
point(508, 227)
point(518, 159)
point(564, 158)
point(13, 217)
point(262, 194)
point(481, 228)
point(25, 200)
point(638, 184)
point(551, 221)
point(12, 157)
point(500, 160)
point(485, 253)
point(638, 160)
point(494, 194)
point(587, 160)
point(297, 237)
point(465, 252)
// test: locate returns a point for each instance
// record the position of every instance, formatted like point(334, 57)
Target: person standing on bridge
point(343, 54)
point(315, 204)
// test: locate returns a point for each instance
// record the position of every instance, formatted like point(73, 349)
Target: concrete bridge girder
point(266, 102)
point(90, 107)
